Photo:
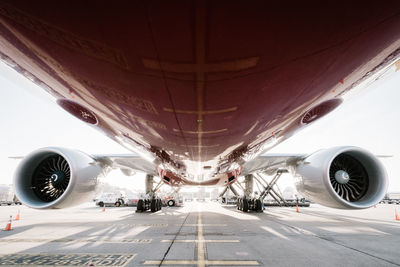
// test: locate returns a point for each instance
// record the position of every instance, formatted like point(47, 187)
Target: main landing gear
point(152, 202)
point(248, 203)
point(245, 204)
point(153, 205)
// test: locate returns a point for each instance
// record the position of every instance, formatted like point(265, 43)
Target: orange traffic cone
point(396, 216)
point(17, 217)
point(375, 206)
point(104, 208)
point(8, 226)
point(297, 208)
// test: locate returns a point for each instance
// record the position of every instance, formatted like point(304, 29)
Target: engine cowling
point(342, 177)
point(55, 177)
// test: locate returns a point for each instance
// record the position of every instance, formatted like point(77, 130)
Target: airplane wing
point(127, 162)
point(270, 163)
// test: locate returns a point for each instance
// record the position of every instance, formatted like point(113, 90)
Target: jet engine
point(342, 177)
point(56, 178)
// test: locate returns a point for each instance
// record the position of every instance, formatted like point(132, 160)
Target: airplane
point(199, 91)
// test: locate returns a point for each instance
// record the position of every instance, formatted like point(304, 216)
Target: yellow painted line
point(201, 248)
point(232, 263)
point(201, 251)
point(170, 262)
point(204, 224)
point(199, 241)
point(206, 262)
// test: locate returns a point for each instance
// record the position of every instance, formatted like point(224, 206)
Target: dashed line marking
point(196, 224)
point(199, 241)
point(205, 262)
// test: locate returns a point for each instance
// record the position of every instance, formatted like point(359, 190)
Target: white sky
point(30, 119)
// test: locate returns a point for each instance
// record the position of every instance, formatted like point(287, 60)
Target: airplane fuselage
point(198, 86)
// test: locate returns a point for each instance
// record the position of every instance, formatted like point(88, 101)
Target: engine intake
point(342, 177)
point(56, 178)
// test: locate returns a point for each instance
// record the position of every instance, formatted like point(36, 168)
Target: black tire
point(258, 206)
point(159, 204)
point(171, 203)
point(101, 204)
point(153, 205)
point(140, 205)
point(117, 204)
point(245, 205)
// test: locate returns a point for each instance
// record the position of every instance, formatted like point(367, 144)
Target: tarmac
point(200, 234)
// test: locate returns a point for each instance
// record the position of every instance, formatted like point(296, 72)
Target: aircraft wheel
point(117, 204)
point(101, 204)
point(153, 205)
point(258, 206)
point(245, 205)
point(171, 203)
point(140, 205)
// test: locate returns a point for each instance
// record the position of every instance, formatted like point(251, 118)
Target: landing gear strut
point(247, 203)
point(152, 202)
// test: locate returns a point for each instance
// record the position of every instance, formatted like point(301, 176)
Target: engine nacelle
point(55, 177)
point(342, 177)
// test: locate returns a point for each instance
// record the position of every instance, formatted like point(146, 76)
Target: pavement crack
point(173, 240)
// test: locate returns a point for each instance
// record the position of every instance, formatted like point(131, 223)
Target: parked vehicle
point(111, 199)
point(6, 195)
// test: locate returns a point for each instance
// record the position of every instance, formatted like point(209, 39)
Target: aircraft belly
point(197, 80)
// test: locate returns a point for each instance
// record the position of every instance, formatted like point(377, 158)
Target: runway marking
point(137, 224)
point(70, 240)
point(205, 224)
point(197, 241)
point(201, 252)
point(76, 259)
point(206, 262)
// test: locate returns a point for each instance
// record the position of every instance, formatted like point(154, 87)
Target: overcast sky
point(30, 119)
